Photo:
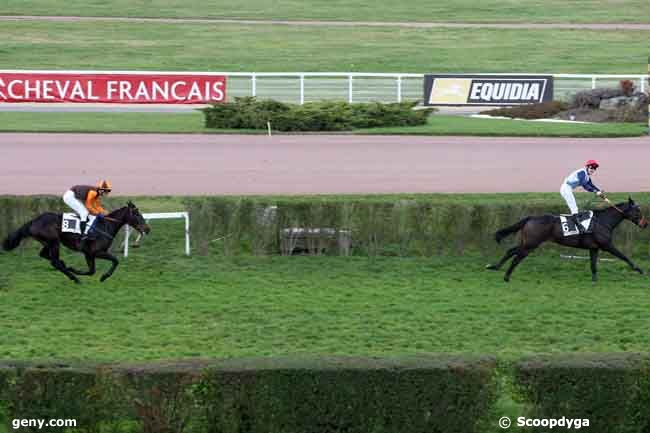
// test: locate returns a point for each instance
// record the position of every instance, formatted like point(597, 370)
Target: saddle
point(569, 227)
point(71, 223)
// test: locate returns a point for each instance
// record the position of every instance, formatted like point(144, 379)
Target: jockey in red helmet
point(582, 178)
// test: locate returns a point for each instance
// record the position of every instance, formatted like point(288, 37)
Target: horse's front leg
point(90, 260)
point(593, 254)
point(107, 256)
point(58, 263)
point(615, 252)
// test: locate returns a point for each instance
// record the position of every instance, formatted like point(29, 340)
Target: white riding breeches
point(76, 205)
point(567, 194)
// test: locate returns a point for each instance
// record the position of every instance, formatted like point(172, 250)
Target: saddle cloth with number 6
point(569, 228)
point(70, 223)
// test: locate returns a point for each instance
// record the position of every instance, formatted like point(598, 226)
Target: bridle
point(642, 220)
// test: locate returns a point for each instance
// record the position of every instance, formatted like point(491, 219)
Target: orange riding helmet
point(104, 185)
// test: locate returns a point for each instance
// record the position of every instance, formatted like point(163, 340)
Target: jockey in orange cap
point(85, 200)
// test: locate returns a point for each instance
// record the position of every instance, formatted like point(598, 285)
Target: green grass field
point(192, 123)
point(382, 10)
point(265, 48)
point(160, 304)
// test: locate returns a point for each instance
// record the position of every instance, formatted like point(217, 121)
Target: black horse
point(538, 229)
point(46, 229)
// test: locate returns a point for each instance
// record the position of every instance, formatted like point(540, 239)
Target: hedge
point(427, 393)
point(292, 395)
point(396, 225)
point(612, 391)
point(250, 113)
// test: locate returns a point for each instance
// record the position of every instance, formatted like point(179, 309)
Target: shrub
point(591, 98)
point(543, 110)
point(249, 113)
point(612, 391)
point(335, 394)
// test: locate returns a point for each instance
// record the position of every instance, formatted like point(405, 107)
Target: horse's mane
point(116, 211)
point(623, 206)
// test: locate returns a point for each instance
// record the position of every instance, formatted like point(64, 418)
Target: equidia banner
point(487, 89)
point(109, 87)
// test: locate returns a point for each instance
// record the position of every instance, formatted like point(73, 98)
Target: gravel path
point(153, 164)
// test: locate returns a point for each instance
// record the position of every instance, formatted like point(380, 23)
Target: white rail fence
point(164, 215)
point(301, 87)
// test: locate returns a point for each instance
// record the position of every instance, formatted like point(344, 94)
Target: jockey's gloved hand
point(100, 216)
point(600, 193)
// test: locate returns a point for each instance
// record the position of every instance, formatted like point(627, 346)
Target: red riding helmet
point(592, 163)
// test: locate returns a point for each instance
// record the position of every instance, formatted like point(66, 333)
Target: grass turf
point(192, 122)
point(266, 48)
point(160, 304)
point(380, 10)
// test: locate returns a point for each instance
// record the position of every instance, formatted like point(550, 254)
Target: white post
point(593, 82)
point(254, 85)
point(302, 89)
point(187, 234)
point(350, 89)
point(126, 240)
point(399, 88)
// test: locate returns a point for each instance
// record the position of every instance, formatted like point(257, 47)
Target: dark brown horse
point(538, 229)
point(46, 229)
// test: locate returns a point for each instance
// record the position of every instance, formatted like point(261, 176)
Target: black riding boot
point(579, 226)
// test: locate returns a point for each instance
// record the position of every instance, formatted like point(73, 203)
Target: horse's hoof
point(77, 281)
point(639, 270)
point(104, 278)
point(491, 267)
point(506, 279)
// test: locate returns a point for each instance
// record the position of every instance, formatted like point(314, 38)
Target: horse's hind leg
point(522, 254)
point(45, 253)
point(511, 252)
point(90, 260)
point(58, 263)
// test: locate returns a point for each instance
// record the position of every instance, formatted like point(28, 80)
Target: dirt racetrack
point(152, 164)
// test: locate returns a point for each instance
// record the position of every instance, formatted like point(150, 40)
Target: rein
point(613, 205)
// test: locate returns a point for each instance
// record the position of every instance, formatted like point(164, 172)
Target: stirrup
point(581, 229)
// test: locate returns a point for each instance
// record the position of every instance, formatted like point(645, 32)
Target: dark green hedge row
point(417, 227)
point(250, 113)
point(607, 393)
point(335, 394)
point(612, 391)
point(413, 226)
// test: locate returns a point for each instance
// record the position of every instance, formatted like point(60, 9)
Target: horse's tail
point(510, 230)
point(13, 240)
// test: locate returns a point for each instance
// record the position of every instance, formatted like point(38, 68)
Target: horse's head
point(632, 212)
point(134, 218)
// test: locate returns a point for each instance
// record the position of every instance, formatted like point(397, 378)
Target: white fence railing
point(301, 87)
point(164, 215)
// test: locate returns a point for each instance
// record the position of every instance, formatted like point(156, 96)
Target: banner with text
point(116, 88)
point(458, 90)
